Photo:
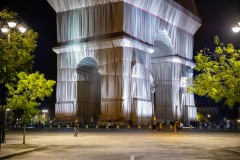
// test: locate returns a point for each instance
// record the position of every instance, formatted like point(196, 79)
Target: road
point(121, 144)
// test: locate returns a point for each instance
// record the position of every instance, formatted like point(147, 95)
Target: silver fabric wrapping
point(121, 86)
point(171, 99)
point(104, 76)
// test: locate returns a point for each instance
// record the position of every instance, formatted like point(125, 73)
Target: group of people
point(178, 124)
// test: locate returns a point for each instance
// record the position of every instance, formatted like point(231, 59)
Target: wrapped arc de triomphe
point(123, 60)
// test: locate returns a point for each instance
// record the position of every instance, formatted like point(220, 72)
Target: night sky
point(217, 17)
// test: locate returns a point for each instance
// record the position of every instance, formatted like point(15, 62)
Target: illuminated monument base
point(123, 60)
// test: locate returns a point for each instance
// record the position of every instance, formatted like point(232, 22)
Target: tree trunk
point(24, 130)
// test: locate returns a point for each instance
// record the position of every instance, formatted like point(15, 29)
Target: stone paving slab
point(121, 144)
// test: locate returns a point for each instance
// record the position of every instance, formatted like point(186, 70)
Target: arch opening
point(165, 95)
point(88, 91)
point(162, 45)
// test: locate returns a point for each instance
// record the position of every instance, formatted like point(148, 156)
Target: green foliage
point(219, 76)
point(16, 54)
point(5, 14)
point(30, 90)
point(201, 117)
point(42, 118)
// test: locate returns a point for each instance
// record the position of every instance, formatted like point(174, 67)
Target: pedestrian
point(109, 124)
point(180, 127)
point(76, 127)
point(177, 126)
point(154, 127)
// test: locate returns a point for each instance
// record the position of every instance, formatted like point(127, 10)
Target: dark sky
point(217, 19)
point(39, 16)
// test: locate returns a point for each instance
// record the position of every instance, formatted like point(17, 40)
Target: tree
point(201, 117)
point(27, 94)
point(219, 76)
point(16, 53)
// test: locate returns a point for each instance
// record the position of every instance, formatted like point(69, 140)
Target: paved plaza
point(123, 144)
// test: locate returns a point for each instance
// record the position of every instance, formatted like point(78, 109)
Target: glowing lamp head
point(22, 28)
point(236, 28)
point(45, 111)
point(5, 29)
point(12, 23)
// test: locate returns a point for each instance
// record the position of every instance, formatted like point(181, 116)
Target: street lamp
point(45, 111)
point(11, 24)
point(44, 117)
point(8, 26)
point(236, 26)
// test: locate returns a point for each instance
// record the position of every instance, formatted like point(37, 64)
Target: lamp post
point(6, 116)
point(7, 27)
point(44, 115)
point(3, 98)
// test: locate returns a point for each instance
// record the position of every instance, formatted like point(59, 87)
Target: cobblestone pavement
point(121, 145)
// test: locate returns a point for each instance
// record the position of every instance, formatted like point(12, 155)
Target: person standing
point(181, 127)
point(76, 127)
point(109, 124)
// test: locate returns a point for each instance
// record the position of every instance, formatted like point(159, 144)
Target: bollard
point(86, 126)
point(171, 127)
point(200, 126)
point(175, 128)
point(209, 127)
point(160, 126)
point(59, 126)
point(117, 126)
point(50, 126)
point(149, 126)
point(67, 125)
point(128, 126)
point(190, 126)
point(106, 126)
point(96, 126)
point(139, 126)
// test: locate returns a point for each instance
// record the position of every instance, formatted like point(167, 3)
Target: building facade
point(124, 60)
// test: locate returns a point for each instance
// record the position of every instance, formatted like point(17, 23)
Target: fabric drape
point(108, 50)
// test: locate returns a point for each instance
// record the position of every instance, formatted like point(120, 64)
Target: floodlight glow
point(21, 28)
point(45, 111)
point(5, 29)
point(12, 24)
point(236, 29)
